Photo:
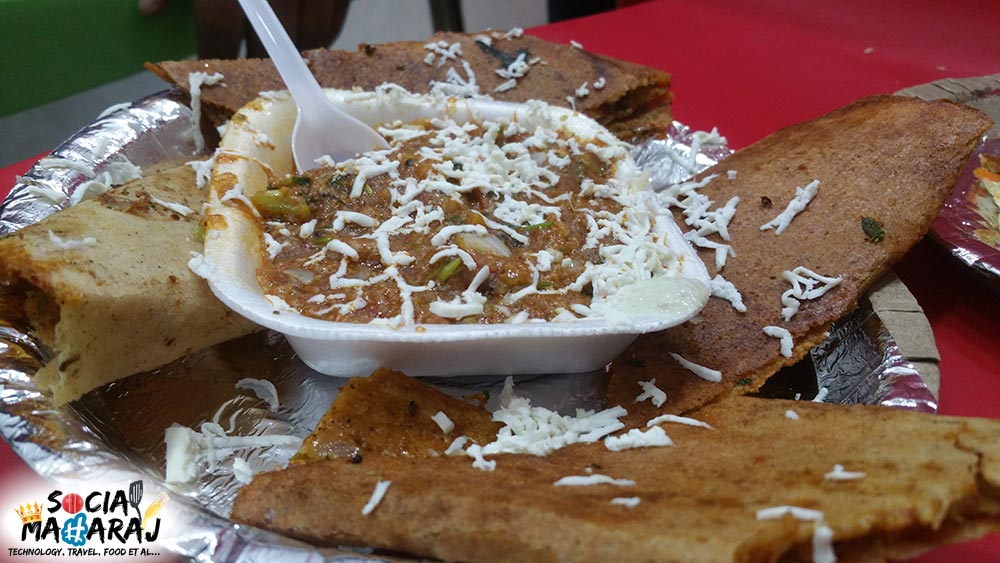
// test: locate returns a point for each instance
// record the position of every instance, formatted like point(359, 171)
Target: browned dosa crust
point(927, 480)
point(893, 159)
point(635, 102)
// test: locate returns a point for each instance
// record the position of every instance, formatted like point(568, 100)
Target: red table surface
point(750, 67)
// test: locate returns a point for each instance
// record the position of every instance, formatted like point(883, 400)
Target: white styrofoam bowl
point(256, 146)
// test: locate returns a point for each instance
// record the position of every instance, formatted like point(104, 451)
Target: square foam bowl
point(256, 147)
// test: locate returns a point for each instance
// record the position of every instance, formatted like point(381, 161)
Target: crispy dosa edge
point(928, 480)
point(891, 158)
point(129, 302)
point(634, 103)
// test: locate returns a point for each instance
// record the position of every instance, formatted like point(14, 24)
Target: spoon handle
point(288, 60)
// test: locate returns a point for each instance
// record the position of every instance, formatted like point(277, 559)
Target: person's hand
point(222, 27)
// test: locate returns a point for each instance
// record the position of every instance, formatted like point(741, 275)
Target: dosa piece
point(391, 414)
point(906, 481)
point(884, 167)
point(106, 286)
point(633, 101)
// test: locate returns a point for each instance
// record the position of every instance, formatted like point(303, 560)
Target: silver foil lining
point(150, 131)
point(116, 433)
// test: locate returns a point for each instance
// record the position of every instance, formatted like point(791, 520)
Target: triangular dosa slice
point(890, 159)
point(106, 285)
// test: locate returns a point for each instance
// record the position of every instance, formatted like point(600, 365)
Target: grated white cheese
point(592, 479)
point(242, 470)
point(455, 85)
point(307, 229)
point(202, 170)
point(177, 208)
point(90, 188)
point(516, 69)
point(113, 174)
point(264, 389)
point(464, 256)
point(355, 305)
point(699, 215)
point(506, 85)
point(195, 81)
point(703, 372)
point(600, 83)
point(583, 91)
point(627, 502)
point(785, 337)
point(791, 414)
point(183, 447)
point(443, 422)
point(839, 474)
point(444, 51)
point(797, 512)
point(722, 251)
point(188, 450)
point(475, 451)
point(798, 203)
point(806, 284)
point(470, 302)
point(545, 259)
point(539, 431)
point(49, 162)
point(822, 545)
point(520, 317)
point(62, 244)
point(575, 44)
point(272, 246)
point(48, 194)
point(678, 420)
point(235, 193)
point(367, 166)
point(455, 448)
point(821, 395)
point(446, 233)
point(652, 392)
point(731, 174)
point(342, 247)
point(342, 218)
point(724, 289)
point(377, 495)
point(636, 438)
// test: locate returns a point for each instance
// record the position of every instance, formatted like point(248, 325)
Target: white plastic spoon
point(320, 128)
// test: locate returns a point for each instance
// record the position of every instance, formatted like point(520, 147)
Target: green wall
point(50, 49)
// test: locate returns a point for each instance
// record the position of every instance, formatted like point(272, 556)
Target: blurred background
point(64, 61)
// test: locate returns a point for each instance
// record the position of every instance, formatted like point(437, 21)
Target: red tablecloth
point(752, 66)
